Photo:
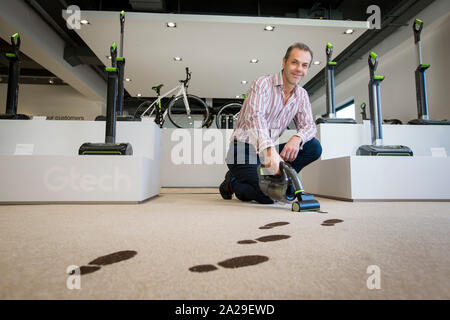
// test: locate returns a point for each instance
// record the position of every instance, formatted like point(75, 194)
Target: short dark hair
point(301, 46)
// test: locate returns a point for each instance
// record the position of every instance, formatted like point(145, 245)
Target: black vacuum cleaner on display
point(421, 87)
point(329, 79)
point(110, 147)
point(13, 82)
point(377, 148)
point(287, 188)
point(121, 75)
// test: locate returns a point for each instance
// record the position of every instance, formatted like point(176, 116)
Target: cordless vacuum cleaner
point(329, 79)
point(110, 147)
point(13, 82)
point(121, 75)
point(287, 188)
point(421, 87)
point(377, 148)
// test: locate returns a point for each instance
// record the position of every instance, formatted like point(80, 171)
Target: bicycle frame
point(181, 90)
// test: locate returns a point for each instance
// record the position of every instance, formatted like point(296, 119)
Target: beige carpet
point(146, 251)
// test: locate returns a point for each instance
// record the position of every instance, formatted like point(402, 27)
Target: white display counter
point(39, 162)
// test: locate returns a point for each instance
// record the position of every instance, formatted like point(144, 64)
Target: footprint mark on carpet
point(97, 264)
point(275, 237)
point(331, 222)
point(274, 224)
point(233, 263)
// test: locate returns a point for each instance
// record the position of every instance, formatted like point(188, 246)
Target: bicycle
point(184, 110)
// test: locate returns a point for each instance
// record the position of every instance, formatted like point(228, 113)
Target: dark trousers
point(243, 162)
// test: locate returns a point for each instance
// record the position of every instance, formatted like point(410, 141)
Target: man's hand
point(290, 150)
point(272, 160)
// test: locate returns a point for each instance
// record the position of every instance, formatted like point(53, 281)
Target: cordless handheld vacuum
point(121, 75)
point(110, 147)
point(13, 82)
point(377, 148)
point(421, 87)
point(286, 187)
point(329, 79)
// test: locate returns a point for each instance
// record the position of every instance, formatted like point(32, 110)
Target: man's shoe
point(224, 188)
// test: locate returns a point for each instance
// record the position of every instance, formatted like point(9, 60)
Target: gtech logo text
point(60, 178)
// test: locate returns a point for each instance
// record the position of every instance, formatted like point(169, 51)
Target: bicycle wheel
point(199, 113)
point(230, 109)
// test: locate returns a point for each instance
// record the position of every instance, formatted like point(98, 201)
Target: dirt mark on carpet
point(275, 237)
point(96, 264)
point(233, 263)
point(331, 222)
point(274, 224)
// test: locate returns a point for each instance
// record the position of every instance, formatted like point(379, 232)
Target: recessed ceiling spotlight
point(244, 81)
point(139, 95)
point(269, 28)
point(84, 21)
point(316, 62)
point(51, 81)
point(109, 57)
point(171, 25)
point(254, 61)
point(348, 31)
point(177, 58)
point(127, 79)
point(237, 97)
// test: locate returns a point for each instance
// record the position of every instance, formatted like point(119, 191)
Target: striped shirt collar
point(278, 81)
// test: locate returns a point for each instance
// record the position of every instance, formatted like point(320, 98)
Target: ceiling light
point(84, 21)
point(316, 62)
point(348, 31)
point(237, 97)
point(244, 81)
point(177, 58)
point(127, 79)
point(109, 57)
point(139, 95)
point(254, 61)
point(171, 25)
point(269, 28)
point(51, 81)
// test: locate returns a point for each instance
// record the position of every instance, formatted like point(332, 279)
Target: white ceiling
point(217, 49)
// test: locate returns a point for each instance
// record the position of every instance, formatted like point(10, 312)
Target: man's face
point(296, 67)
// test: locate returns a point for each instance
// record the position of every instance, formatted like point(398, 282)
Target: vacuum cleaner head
point(121, 149)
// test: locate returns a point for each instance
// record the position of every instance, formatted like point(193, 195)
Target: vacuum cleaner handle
point(292, 174)
point(113, 51)
point(417, 28)
point(329, 51)
point(15, 42)
point(122, 27)
point(373, 64)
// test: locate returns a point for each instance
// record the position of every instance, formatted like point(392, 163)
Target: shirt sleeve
point(306, 127)
point(257, 101)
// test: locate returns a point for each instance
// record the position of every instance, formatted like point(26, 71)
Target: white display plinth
point(52, 170)
point(379, 178)
point(343, 175)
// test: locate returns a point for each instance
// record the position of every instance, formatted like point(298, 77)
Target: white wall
point(42, 100)
point(397, 63)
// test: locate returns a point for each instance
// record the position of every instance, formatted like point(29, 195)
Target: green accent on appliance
point(114, 45)
point(373, 55)
point(10, 55)
point(418, 21)
point(15, 36)
point(329, 45)
point(119, 59)
point(332, 63)
point(111, 69)
point(298, 191)
point(378, 77)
